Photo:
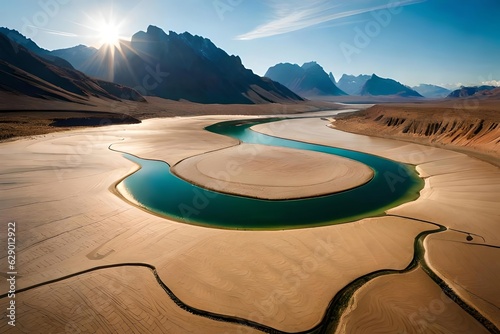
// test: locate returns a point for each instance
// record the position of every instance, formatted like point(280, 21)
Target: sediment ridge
point(464, 130)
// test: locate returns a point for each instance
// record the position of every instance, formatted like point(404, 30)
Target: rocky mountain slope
point(469, 91)
point(376, 86)
point(25, 73)
point(474, 129)
point(352, 84)
point(307, 80)
point(179, 67)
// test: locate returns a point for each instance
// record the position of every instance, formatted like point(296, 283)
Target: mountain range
point(308, 80)
point(470, 91)
point(376, 86)
point(17, 37)
point(172, 66)
point(431, 91)
point(23, 72)
point(178, 67)
point(351, 84)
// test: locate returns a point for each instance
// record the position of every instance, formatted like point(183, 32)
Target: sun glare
point(109, 34)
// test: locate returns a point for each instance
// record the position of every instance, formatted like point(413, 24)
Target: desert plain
point(90, 260)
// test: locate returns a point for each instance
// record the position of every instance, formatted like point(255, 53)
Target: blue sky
point(412, 41)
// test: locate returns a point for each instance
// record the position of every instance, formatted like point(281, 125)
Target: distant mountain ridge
point(431, 91)
point(179, 67)
point(376, 86)
point(308, 80)
point(81, 56)
point(470, 91)
point(351, 84)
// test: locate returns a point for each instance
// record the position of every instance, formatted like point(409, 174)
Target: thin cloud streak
point(54, 32)
point(319, 12)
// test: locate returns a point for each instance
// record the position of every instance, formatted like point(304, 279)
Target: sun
point(109, 34)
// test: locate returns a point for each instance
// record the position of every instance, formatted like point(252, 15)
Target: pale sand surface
point(460, 193)
point(315, 130)
point(115, 300)
point(273, 172)
point(466, 269)
point(56, 188)
point(405, 303)
point(286, 279)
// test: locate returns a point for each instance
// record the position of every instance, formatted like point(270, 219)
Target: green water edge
point(157, 190)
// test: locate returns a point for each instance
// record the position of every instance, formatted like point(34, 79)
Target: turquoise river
point(157, 190)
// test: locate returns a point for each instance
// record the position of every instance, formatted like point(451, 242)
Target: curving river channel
point(156, 189)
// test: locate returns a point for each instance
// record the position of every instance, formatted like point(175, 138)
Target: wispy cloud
point(55, 32)
point(296, 15)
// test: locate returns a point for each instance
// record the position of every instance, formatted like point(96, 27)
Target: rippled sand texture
point(57, 189)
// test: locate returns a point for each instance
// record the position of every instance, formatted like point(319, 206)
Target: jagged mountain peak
point(311, 64)
point(376, 86)
point(19, 38)
point(183, 66)
point(352, 84)
point(310, 79)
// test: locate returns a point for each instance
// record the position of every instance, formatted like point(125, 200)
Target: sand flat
point(114, 300)
point(318, 131)
point(273, 172)
point(70, 221)
point(286, 279)
point(57, 190)
point(405, 303)
point(460, 193)
point(466, 272)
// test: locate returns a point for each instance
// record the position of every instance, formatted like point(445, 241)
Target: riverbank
point(24, 116)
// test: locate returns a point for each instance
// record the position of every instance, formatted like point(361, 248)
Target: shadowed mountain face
point(470, 91)
point(179, 67)
point(376, 86)
point(351, 84)
point(308, 80)
point(23, 72)
point(17, 37)
point(80, 56)
point(431, 91)
point(332, 78)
